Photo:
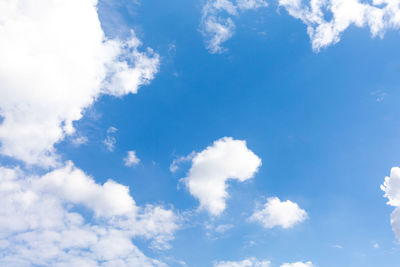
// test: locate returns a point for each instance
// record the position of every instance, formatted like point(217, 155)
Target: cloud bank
point(64, 218)
point(54, 62)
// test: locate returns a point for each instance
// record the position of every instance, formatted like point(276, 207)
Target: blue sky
point(320, 113)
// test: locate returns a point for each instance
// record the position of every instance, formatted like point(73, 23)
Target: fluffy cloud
point(250, 262)
point(131, 159)
point(379, 16)
point(46, 221)
point(298, 264)
point(275, 213)
point(391, 187)
point(217, 25)
point(73, 185)
point(211, 168)
point(54, 62)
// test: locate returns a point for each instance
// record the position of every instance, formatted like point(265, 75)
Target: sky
point(222, 133)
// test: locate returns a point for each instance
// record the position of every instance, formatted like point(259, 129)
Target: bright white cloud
point(54, 62)
point(275, 213)
point(250, 262)
point(131, 159)
point(379, 16)
point(42, 222)
point(391, 187)
point(298, 264)
point(73, 185)
point(217, 25)
point(211, 168)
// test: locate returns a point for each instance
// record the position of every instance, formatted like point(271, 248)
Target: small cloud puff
point(211, 168)
point(131, 159)
point(275, 213)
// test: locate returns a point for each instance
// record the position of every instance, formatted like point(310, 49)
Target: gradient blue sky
point(325, 124)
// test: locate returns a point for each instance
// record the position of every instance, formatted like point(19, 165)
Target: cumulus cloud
point(131, 159)
point(54, 62)
point(298, 264)
point(379, 16)
point(275, 213)
point(217, 25)
point(211, 168)
point(46, 221)
point(391, 187)
point(250, 262)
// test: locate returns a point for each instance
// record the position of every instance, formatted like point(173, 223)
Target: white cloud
point(298, 264)
point(222, 228)
point(176, 162)
point(379, 16)
point(217, 25)
point(391, 187)
point(251, 4)
point(211, 168)
point(131, 159)
point(109, 143)
point(54, 62)
point(111, 130)
point(42, 221)
point(275, 213)
point(79, 140)
point(253, 262)
point(73, 185)
point(250, 262)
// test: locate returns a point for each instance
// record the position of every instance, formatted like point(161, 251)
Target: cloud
point(109, 143)
point(46, 221)
point(131, 159)
point(211, 168)
point(217, 25)
point(250, 262)
point(391, 187)
point(298, 264)
point(222, 228)
point(275, 213)
point(79, 140)
point(73, 185)
point(253, 262)
point(111, 130)
point(176, 162)
point(54, 63)
point(379, 16)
